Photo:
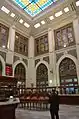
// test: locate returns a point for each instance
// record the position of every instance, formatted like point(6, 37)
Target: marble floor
point(66, 112)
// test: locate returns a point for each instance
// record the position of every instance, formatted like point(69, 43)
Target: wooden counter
point(72, 99)
point(7, 109)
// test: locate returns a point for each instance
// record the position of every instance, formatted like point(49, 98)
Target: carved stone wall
point(16, 58)
point(73, 53)
point(36, 61)
point(46, 59)
point(58, 56)
point(25, 61)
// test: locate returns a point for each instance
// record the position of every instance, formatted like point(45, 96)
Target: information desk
point(7, 109)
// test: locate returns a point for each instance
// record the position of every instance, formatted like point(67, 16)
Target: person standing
point(54, 104)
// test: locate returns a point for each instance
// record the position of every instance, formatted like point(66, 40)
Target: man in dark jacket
point(54, 104)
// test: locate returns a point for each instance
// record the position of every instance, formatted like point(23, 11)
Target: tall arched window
point(42, 76)
point(20, 74)
point(68, 75)
point(0, 68)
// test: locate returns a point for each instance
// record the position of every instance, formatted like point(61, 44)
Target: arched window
point(20, 74)
point(0, 68)
point(42, 76)
point(68, 75)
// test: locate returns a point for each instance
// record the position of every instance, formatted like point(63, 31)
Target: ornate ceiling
point(43, 16)
point(34, 7)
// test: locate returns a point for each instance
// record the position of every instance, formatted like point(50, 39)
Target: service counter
point(7, 109)
point(69, 99)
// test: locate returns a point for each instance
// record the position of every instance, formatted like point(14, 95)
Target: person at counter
point(54, 104)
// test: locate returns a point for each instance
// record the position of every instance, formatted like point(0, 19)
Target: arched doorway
point(20, 75)
point(68, 76)
point(42, 76)
point(0, 68)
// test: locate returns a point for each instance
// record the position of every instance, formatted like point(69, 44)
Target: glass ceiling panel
point(34, 7)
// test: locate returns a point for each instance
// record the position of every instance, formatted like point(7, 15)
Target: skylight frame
point(41, 6)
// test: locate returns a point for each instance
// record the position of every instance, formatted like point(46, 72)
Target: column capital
point(31, 37)
point(13, 26)
point(50, 29)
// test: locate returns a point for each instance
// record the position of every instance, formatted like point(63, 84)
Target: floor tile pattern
point(66, 112)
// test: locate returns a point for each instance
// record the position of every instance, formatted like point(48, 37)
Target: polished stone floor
point(66, 112)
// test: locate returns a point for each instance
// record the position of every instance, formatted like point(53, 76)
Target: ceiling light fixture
point(21, 21)
point(77, 3)
point(26, 25)
point(64, 45)
point(43, 22)
point(3, 46)
point(4, 9)
point(37, 25)
point(16, 36)
point(12, 15)
point(58, 13)
point(50, 81)
point(66, 9)
point(51, 17)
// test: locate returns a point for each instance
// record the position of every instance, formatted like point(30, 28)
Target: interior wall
point(53, 65)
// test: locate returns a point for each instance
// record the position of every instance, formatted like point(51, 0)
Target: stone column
point(31, 47)
point(76, 32)
point(52, 57)
point(11, 41)
point(31, 63)
point(51, 40)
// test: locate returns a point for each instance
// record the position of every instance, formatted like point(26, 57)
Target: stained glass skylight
point(34, 7)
